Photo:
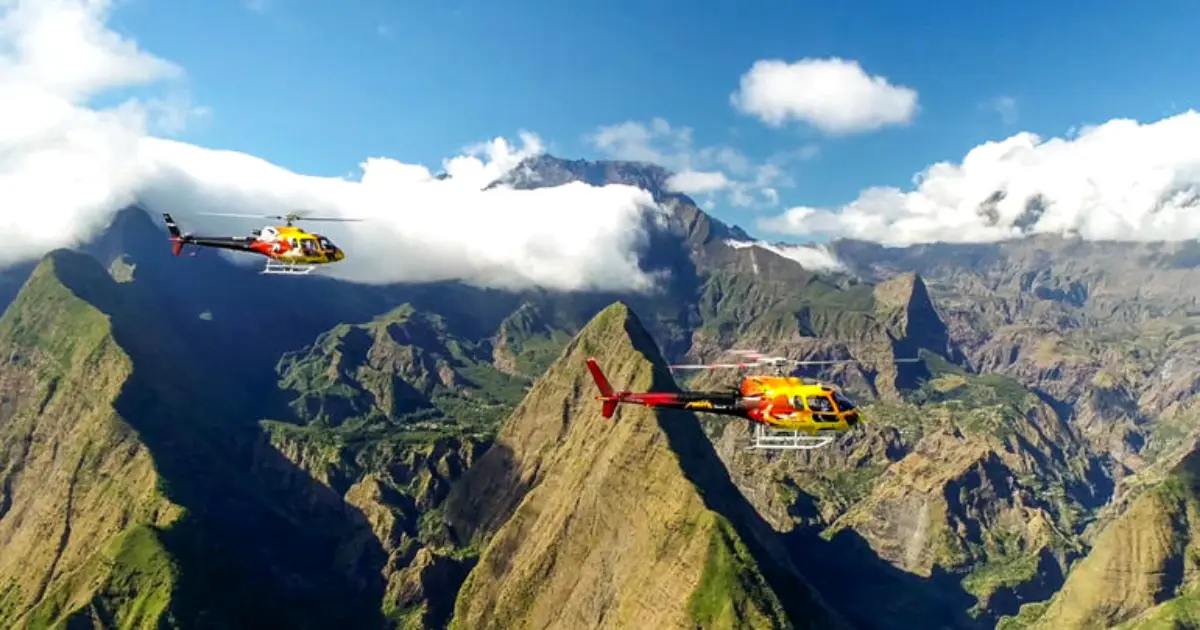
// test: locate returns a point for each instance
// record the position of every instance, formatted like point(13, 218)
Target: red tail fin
point(606, 391)
point(176, 246)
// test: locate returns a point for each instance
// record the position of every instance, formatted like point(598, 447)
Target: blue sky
point(317, 86)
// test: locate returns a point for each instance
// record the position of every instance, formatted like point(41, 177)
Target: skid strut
point(287, 268)
point(770, 439)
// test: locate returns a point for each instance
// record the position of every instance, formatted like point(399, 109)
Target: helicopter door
point(822, 409)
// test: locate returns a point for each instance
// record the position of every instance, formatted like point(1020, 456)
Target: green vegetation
point(1179, 613)
point(735, 307)
point(43, 299)
point(732, 592)
point(1026, 617)
point(136, 578)
point(401, 368)
point(998, 572)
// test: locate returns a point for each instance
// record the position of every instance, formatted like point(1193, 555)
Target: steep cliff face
point(74, 476)
point(133, 495)
point(1142, 570)
point(625, 522)
point(399, 480)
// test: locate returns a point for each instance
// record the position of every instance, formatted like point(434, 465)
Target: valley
point(180, 447)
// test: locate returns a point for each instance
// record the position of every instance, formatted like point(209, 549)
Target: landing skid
point(769, 439)
point(286, 268)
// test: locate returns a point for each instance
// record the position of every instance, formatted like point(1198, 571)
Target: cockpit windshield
point(842, 402)
point(326, 244)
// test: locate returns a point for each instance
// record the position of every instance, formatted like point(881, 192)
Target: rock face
point(404, 364)
point(1058, 382)
point(128, 501)
point(74, 477)
point(612, 523)
point(1141, 571)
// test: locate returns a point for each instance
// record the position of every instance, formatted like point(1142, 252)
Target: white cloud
point(812, 257)
point(699, 171)
point(1121, 180)
point(66, 168)
point(834, 95)
point(696, 182)
point(1006, 107)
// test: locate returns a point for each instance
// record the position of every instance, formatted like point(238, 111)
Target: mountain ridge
point(631, 490)
point(1049, 391)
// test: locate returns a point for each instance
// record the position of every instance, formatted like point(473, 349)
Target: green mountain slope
point(404, 365)
point(138, 484)
point(73, 473)
point(129, 495)
point(623, 522)
point(1141, 570)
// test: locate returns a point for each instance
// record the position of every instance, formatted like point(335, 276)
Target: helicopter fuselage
point(780, 402)
point(286, 244)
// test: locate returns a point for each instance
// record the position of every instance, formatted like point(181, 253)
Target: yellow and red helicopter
point(786, 412)
point(288, 249)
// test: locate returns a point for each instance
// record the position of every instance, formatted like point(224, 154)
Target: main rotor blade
point(798, 362)
point(766, 361)
point(243, 216)
point(711, 366)
point(280, 217)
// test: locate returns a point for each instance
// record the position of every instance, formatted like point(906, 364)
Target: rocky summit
point(180, 449)
point(622, 522)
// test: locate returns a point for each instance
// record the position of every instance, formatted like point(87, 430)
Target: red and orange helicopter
point(289, 249)
point(787, 412)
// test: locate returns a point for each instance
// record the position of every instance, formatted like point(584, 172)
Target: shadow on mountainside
point(873, 594)
point(232, 317)
point(705, 470)
point(262, 544)
point(845, 572)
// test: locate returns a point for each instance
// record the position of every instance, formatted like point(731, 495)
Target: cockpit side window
point(326, 244)
point(843, 403)
point(819, 404)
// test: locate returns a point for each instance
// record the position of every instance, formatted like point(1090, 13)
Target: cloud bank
point(811, 257)
point(707, 173)
point(1122, 180)
point(833, 95)
point(66, 167)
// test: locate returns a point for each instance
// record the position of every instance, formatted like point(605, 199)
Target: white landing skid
point(771, 439)
point(287, 268)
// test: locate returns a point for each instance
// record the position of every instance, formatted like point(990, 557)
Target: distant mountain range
point(181, 447)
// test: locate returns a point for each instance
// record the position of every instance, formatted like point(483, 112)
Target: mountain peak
point(630, 519)
point(546, 170)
